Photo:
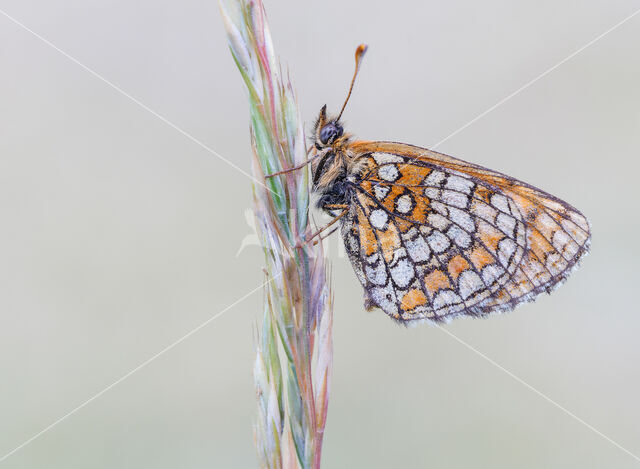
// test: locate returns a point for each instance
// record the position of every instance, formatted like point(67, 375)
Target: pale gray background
point(118, 235)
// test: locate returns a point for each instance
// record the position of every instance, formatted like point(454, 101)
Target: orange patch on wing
point(483, 194)
point(421, 207)
point(539, 245)
point(490, 236)
point(457, 265)
point(418, 216)
point(368, 202)
point(366, 185)
point(559, 216)
point(436, 280)
point(525, 205)
point(480, 257)
point(368, 240)
point(389, 242)
point(425, 173)
point(389, 201)
point(411, 175)
point(403, 225)
point(413, 298)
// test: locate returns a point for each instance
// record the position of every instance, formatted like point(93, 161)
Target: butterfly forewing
point(433, 237)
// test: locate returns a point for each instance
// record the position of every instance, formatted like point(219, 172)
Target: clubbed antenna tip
point(360, 51)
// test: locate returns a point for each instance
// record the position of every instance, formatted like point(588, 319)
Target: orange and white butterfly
point(432, 237)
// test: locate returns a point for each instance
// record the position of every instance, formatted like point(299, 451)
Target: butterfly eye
point(330, 132)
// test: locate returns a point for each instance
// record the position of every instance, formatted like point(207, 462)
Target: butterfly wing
point(433, 237)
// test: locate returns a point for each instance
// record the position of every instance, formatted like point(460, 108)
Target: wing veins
point(473, 197)
point(475, 238)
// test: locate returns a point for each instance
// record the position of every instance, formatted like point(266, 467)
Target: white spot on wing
point(352, 244)
point(432, 193)
point(579, 220)
point(418, 249)
point(576, 233)
point(445, 298)
point(404, 203)
point(560, 240)
point(461, 218)
point(388, 172)
point(491, 273)
point(378, 218)
point(438, 221)
point(458, 183)
point(440, 208)
point(381, 191)
point(484, 211)
point(506, 223)
point(545, 220)
point(383, 158)
point(402, 273)
point(500, 202)
point(373, 258)
point(458, 236)
point(506, 248)
point(376, 274)
point(520, 234)
point(434, 178)
point(468, 283)
point(455, 199)
point(513, 208)
point(385, 297)
point(438, 242)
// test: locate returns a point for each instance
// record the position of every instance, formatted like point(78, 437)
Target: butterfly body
point(334, 164)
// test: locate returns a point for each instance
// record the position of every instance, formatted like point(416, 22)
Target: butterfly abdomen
point(338, 192)
point(331, 181)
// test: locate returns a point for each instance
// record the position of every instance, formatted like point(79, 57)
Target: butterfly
point(432, 237)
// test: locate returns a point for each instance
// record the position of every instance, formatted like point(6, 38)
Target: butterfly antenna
point(360, 51)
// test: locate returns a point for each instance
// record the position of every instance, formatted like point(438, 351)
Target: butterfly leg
point(335, 206)
point(310, 238)
point(322, 238)
point(295, 168)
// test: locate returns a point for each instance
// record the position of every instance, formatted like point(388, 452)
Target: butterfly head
point(327, 132)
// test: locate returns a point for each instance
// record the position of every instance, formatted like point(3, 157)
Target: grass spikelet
point(294, 340)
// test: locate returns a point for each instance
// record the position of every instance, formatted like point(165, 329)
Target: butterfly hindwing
point(432, 237)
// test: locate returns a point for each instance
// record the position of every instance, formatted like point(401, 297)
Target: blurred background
point(119, 234)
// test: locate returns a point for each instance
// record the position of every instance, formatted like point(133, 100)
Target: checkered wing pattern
point(432, 237)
